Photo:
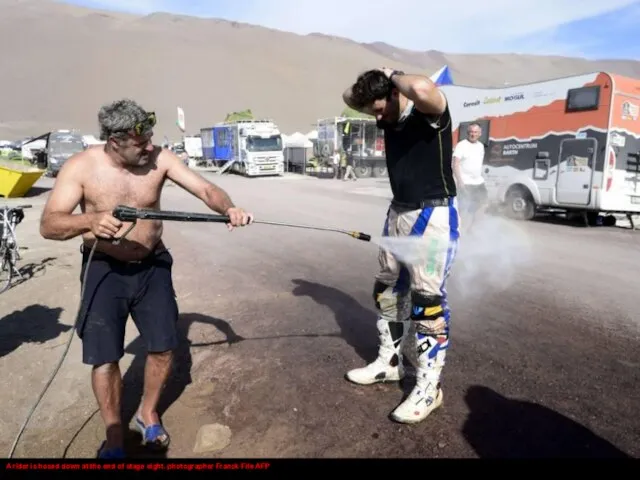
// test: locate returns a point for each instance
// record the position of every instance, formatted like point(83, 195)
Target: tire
point(380, 171)
point(519, 204)
point(6, 270)
point(363, 171)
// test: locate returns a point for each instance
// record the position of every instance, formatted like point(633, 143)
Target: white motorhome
point(250, 147)
point(568, 144)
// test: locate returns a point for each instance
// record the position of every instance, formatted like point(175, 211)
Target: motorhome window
point(260, 144)
point(581, 99)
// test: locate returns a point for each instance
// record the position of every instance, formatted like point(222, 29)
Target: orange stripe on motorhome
point(626, 104)
point(627, 84)
point(539, 121)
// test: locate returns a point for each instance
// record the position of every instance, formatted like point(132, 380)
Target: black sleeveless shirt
point(419, 157)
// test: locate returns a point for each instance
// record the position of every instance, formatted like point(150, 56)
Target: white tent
point(91, 140)
point(296, 140)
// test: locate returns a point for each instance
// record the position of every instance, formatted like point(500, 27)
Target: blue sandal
point(111, 453)
point(152, 434)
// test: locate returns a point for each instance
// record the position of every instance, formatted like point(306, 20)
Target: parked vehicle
point(569, 144)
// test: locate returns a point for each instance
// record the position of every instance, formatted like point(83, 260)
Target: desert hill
point(62, 62)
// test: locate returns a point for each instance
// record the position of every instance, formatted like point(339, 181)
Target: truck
point(249, 147)
point(193, 147)
point(51, 150)
point(359, 137)
point(569, 145)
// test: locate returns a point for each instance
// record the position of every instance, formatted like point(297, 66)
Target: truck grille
point(261, 160)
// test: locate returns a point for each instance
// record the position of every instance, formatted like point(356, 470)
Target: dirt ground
point(544, 359)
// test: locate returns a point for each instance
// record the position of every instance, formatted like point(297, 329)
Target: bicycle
point(11, 217)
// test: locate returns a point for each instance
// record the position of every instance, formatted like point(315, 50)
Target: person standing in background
point(349, 171)
point(468, 160)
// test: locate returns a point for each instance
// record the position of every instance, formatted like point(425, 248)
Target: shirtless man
point(134, 276)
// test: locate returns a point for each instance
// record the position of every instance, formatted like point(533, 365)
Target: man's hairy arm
point(58, 221)
point(426, 96)
point(212, 195)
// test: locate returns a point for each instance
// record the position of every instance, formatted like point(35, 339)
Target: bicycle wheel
point(6, 268)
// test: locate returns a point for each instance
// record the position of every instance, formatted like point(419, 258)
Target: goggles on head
point(142, 127)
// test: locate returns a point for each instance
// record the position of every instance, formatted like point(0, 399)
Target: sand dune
point(62, 62)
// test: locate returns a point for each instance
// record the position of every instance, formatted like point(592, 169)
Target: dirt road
point(544, 357)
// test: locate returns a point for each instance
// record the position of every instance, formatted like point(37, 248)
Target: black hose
point(129, 214)
point(62, 358)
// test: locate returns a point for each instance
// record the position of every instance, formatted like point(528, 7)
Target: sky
point(593, 29)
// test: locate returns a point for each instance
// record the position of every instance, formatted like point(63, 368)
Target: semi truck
point(569, 144)
point(359, 137)
point(249, 147)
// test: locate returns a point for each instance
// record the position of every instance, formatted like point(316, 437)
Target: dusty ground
point(544, 358)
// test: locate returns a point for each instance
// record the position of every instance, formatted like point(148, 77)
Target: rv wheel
point(520, 204)
point(380, 172)
point(363, 171)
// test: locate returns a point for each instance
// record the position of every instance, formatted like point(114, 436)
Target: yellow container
point(16, 183)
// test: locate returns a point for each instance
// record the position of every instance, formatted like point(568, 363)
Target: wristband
point(395, 72)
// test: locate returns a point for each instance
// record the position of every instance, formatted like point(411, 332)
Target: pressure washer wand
point(130, 214)
point(358, 235)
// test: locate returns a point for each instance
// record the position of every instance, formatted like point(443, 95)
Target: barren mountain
point(62, 62)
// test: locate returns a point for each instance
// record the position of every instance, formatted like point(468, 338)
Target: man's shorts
point(115, 290)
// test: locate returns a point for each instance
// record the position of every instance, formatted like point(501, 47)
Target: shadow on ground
point(499, 427)
point(36, 192)
point(34, 324)
point(357, 324)
point(577, 221)
point(30, 270)
point(179, 378)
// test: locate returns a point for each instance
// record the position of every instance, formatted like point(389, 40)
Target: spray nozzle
point(361, 236)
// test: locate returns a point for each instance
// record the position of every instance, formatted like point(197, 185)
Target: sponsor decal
point(617, 140)
point(630, 111)
point(471, 104)
point(514, 148)
point(488, 100)
point(514, 96)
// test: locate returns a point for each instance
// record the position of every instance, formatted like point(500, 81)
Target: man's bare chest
point(107, 189)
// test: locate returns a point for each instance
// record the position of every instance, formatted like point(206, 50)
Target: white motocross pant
point(416, 292)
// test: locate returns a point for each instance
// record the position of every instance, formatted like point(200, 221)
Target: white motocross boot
point(426, 396)
point(388, 366)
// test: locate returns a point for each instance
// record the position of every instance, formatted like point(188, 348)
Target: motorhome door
point(575, 171)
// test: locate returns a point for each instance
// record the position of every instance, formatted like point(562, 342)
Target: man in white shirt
point(337, 173)
point(468, 158)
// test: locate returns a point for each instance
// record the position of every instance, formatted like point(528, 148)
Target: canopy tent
point(442, 76)
point(296, 140)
